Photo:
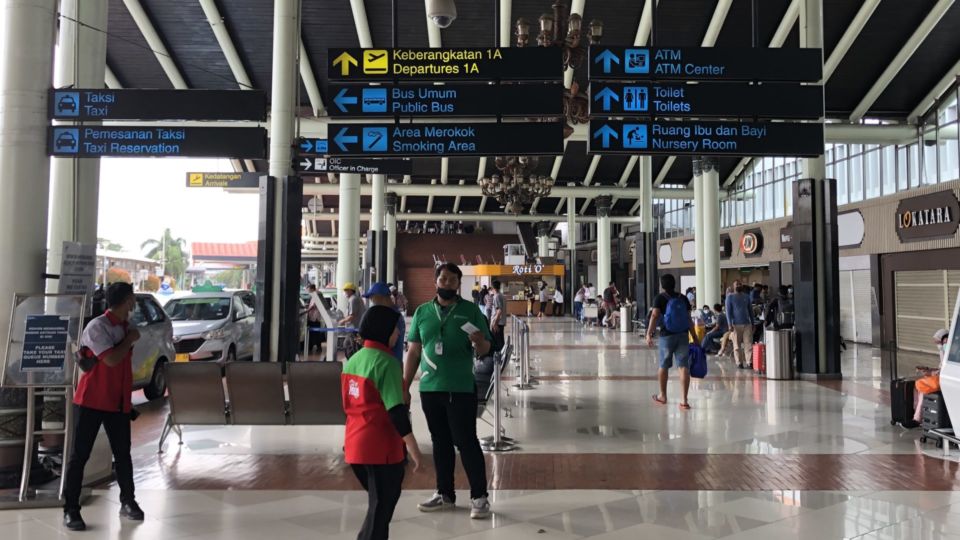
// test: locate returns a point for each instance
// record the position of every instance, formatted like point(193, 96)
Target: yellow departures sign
point(344, 61)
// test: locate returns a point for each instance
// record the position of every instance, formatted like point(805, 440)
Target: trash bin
point(779, 354)
point(626, 324)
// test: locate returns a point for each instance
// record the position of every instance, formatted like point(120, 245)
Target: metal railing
point(498, 442)
point(521, 352)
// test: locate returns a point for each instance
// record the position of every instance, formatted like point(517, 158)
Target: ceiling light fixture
point(517, 185)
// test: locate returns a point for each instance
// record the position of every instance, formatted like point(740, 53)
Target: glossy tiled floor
point(597, 459)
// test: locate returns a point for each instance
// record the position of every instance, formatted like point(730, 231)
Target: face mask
point(446, 294)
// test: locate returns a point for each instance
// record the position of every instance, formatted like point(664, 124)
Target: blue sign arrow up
point(342, 139)
point(607, 58)
point(343, 99)
point(606, 95)
point(306, 145)
point(605, 132)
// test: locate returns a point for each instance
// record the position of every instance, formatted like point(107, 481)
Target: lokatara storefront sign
point(520, 270)
point(926, 217)
point(751, 243)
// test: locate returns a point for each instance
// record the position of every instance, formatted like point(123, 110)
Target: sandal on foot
point(685, 406)
point(658, 400)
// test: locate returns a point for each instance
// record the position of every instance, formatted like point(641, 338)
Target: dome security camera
point(442, 12)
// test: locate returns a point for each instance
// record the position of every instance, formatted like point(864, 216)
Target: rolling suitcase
point(901, 394)
point(759, 357)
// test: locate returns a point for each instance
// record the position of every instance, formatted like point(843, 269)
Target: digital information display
point(706, 138)
point(451, 139)
point(772, 100)
point(45, 343)
point(705, 64)
point(474, 63)
point(224, 179)
point(129, 141)
point(447, 100)
point(101, 104)
point(322, 165)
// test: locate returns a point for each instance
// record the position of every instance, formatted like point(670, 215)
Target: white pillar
point(543, 246)
point(284, 85)
point(27, 45)
point(81, 61)
point(391, 223)
point(711, 233)
point(571, 285)
point(604, 258)
point(646, 194)
point(348, 233)
point(375, 232)
point(698, 228)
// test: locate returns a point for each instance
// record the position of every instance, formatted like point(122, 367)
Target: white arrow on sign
point(307, 164)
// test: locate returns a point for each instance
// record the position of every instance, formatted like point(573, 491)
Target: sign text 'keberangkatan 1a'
point(473, 63)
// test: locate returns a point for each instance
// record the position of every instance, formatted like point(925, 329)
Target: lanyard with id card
point(438, 345)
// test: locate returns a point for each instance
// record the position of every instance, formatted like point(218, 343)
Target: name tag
point(438, 348)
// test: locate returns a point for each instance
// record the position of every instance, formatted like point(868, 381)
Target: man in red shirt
point(103, 398)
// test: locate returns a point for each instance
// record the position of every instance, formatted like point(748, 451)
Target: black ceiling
point(190, 40)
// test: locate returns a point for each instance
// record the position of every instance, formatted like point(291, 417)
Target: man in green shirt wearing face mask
point(443, 350)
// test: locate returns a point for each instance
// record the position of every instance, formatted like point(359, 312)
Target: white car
point(214, 326)
point(153, 349)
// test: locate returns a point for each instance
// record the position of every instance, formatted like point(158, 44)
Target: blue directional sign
point(453, 139)
point(535, 99)
point(311, 147)
point(731, 100)
point(138, 104)
point(705, 64)
point(706, 138)
point(141, 141)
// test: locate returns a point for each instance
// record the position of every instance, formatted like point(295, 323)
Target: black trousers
point(383, 484)
point(496, 344)
point(452, 419)
point(86, 426)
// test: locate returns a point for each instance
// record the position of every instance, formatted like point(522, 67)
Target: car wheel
point(158, 383)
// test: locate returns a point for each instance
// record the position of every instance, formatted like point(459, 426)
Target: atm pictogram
point(637, 61)
point(375, 62)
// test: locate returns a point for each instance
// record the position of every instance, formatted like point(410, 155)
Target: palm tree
point(171, 252)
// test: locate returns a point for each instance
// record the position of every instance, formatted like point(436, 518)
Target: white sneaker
point(436, 503)
point(479, 508)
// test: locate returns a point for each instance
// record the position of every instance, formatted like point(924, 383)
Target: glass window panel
point(738, 209)
point(914, 165)
point(768, 201)
point(948, 111)
point(929, 158)
point(758, 204)
point(843, 193)
point(789, 198)
point(778, 206)
point(872, 174)
point(947, 146)
point(903, 178)
point(856, 149)
point(855, 169)
point(841, 151)
point(748, 206)
point(888, 169)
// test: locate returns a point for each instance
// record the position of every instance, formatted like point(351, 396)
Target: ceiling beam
point(930, 100)
point(219, 27)
point(456, 201)
point(893, 68)
point(790, 18)
point(849, 37)
point(111, 79)
point(664, 169)
point(155, 43)
point(310, 82)
point(575, 7)
point(361, 23)
point(481, 171)
point(591, 171)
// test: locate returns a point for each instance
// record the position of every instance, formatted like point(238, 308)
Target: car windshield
point(198, 309)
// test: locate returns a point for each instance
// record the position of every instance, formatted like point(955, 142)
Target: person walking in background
point(483, 301)
point(498, 316)
point(578, 303)
point(444, 353)
point(399, 300)
point(378, 426)
point(558, 302)
point(354, 308)
point(543, 300)
point(671, 311)
point(740, 318)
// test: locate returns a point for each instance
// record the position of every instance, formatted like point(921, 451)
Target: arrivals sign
point(447, 100)
point(935, 215)
point(705, 64)
point(140, 141)
point(45, 343)
point(451, 139)
point(705, 138)
point(706, 99)
point(352, 165)
point(224, 179)
point(103, 104)
point(473, 63)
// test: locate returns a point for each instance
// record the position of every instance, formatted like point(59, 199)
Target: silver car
point(216, 326)
point(153, 349)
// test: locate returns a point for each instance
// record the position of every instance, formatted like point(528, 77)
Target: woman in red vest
point(378, 421)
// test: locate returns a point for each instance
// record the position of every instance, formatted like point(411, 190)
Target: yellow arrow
point(344, 61)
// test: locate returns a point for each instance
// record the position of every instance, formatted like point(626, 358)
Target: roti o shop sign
point(520, 270)
point(926, 217)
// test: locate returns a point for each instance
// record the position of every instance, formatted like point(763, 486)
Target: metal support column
point(375, 236)
point(284, 85)
point(348, 233)
point(80, 62)
point(698, 237)
point(604, 258)
point(710, 210)
point(390, 220)
point(646, 194)
point(572, 282)
point(543, 238)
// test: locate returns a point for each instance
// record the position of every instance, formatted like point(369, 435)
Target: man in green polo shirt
point(443, 350)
